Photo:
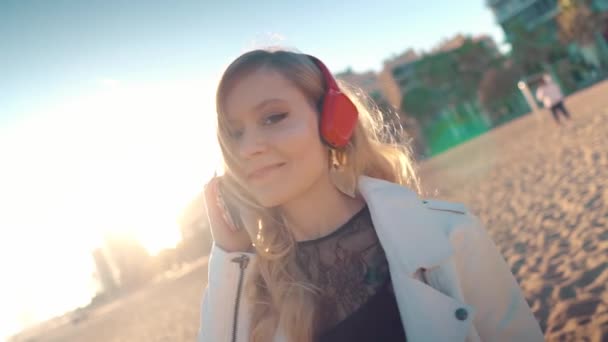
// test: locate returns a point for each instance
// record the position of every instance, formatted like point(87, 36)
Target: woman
point(317, 236)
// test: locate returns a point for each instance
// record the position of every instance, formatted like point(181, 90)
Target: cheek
point(300, 144)
point(300, 147)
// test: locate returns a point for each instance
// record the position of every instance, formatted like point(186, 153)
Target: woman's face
point(274, 130)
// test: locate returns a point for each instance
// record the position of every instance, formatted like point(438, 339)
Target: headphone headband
point(327, 76)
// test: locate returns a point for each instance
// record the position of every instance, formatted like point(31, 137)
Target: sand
point(542, 192)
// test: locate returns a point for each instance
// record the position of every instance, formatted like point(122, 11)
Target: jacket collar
point(407, 230)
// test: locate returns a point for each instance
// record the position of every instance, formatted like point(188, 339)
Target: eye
point(274, 118)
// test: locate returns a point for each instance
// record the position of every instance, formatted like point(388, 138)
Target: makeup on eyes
point(267, 115)
point(274, 118)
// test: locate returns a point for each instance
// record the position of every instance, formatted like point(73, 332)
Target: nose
point(251, 144)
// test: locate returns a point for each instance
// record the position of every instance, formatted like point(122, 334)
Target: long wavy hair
point(281, 296)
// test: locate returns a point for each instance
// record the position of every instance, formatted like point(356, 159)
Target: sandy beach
point(540, 189)
point(542, 192)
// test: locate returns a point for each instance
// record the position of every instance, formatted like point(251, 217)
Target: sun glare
point(128, 159)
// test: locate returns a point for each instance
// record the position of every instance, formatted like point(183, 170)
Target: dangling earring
point(342, 177)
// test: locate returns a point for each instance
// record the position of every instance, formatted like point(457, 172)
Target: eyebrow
point(260, 106)
point(267, 102)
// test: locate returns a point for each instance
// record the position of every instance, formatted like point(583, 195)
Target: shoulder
point(445, 206)
point(452, 214)
point(392, 203)
point(455, 219)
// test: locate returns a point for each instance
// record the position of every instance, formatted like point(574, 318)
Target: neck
point(320, 210)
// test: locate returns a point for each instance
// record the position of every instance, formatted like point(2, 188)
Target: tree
point(578, 22)
point(422, 103)
point(533, 49)
point(473, 60)
point(496, 88)
point(446, 79)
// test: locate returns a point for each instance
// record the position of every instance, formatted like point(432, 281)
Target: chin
point(270, 198)
point(269, 201)
point(282, 190)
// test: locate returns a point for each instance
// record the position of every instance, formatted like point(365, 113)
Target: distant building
point(450, 44)
point(194, 218)
point(602, 5)
point(534, 13)
point(487, 41)
point(530, 12)
point(121, 263)
point(385, 92)
point(367, 81)
point(194, 225)
point(397, 75)
point(459, 40)
point(544, 13)
point(106, 277)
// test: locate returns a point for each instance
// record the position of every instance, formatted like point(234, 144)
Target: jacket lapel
point(427, 314)
point(413, 238)
point(404, 226)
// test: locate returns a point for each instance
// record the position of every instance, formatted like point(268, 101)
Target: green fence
point(468, 121)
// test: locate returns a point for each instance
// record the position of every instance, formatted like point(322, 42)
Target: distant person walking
point(551, 96)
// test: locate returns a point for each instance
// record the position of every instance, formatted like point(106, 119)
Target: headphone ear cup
point(338, 119)
point(338, 114)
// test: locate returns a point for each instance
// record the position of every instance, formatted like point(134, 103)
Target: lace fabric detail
point(348, 267)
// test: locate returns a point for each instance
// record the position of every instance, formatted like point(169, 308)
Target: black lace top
point(350, 269)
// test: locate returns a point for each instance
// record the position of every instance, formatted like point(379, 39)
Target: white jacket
point(468, 294)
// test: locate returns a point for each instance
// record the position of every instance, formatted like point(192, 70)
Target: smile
point(263, 171)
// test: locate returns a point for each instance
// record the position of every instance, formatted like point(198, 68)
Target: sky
point(107, 115)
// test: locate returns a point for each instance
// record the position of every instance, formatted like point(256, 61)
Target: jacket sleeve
point(220, 296)
point(501, 311)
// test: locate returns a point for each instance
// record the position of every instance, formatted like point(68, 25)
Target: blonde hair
point(281, 296)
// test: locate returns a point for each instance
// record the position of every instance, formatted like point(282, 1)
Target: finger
point(224, 210)
point(213, 211)
point(216, 208)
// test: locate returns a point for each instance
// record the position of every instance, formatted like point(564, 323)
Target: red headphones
point(338, 113)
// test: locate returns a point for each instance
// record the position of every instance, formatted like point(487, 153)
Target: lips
point(263, 171)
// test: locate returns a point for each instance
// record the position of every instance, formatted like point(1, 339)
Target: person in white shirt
point(551, 96)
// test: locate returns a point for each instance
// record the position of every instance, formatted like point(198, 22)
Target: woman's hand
point(224, 232)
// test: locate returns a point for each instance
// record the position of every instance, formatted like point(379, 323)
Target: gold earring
point(341, 176)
